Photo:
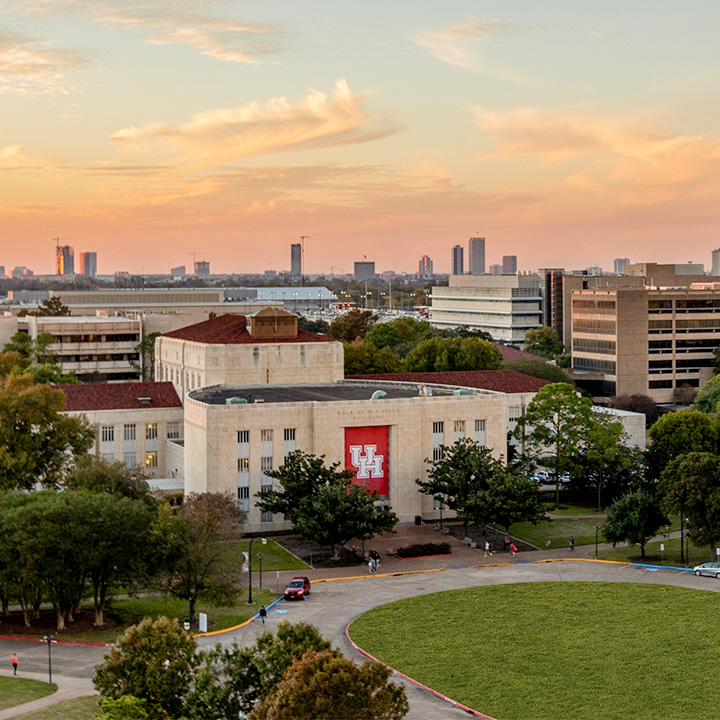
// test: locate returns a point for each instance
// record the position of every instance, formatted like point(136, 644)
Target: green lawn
point(84, 708)
point(558, 531)
point(557, 651)
point(654, 556)
point(274, 557)
point(571, 510)
point(16, 691)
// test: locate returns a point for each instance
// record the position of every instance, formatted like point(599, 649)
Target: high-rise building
point(476, 256)
point(509, 265)
point(620, 263)
point(364, 270)
point(178, 271)
point(425, 266)
point(64, 260)
point(458, 266)
point(2, 271)
point(495, 269)
point(202, 267)
point(716, 262)
point(20, 271)
point(88, 264)
point(296, 267)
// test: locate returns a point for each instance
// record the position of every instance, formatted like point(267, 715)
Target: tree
point(323, 504)
point(463, 477)
point(366, 359)
point(439, 354)
point(37, 442)
point(634, 518)
point(638, 403)
point(690, 485)
point(231, 679)
point(708, 397)
point(322, 686)
point(153, 661)
point(554, 424)
point(126, 707)
point(539, 369)
point(313, 325)
point(676, 433)
point(146, 350)
point(52, 307)
point(352, 325)
point(514, 497)
point(191, 547)
point(543, 341)
point(400, 335)
point(96, 474)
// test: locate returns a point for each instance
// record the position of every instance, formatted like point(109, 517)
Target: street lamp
point(260, 557)
point(597, 529)
point(439, 498)
point(48, 639)
point(250, 572)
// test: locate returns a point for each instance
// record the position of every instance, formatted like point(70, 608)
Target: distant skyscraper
point(425, 266)
point(620, 263)
point(296, 259)
point(202, 267)
point(88, 264)
point(476, 256)
point(2, 271)
point(458, 265)
point(178, 271)
point(364, 270)
point(715, 262)
point(495, 270)
point(509, 265)
point(64, 260)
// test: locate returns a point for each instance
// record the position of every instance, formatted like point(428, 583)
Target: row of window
point(107, 432)
point(594, 365)
point(606, 327)
point(130, 458)
point(603, 347)
point(91, 337)
point(601, 305)
point(664, 384)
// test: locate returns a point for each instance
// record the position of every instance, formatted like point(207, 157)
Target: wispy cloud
point(174, 22)
point(457, 44)
point(12, 157)
point(29, 67)
point(220, 136)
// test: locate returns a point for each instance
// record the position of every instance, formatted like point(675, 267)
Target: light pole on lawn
point(260, 557)
point(48, 639)
point(597, 529)
point(250, 572)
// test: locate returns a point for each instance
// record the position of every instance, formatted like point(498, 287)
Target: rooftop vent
point(463, 392)
point(144, 400)
point(235, 401)
point(378, 394)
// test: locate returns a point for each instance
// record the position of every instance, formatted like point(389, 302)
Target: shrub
point(420, 549)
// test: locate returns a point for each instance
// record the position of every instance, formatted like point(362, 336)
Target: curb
point(21, 638)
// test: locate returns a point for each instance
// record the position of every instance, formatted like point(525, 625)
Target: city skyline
point(567, 134)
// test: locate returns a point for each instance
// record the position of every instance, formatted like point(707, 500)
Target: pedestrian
point(513, 549)
point(572, 544)
point(487, 548)
point(375, 555)
point(372, 565)
point(263, 614)
point(14, 663)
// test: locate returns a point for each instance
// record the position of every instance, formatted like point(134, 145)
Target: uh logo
point(365, 460)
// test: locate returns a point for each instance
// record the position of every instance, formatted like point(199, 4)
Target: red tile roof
point(232, 330)
point(119, 396)
point(506, 381)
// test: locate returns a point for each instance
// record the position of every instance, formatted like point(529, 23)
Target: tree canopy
point(708, 397)
point(634, 518)
point(539, 369)
point(543, 341)
point(400, 335)
point(352, 325)
point(366, 359)
point(440, 354)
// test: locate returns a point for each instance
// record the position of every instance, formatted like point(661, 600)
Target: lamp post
point(597, 529)
point(439, 498)
point(260, 557)
point(250, 572)
point(48, 640)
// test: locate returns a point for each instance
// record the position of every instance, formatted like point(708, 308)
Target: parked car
point(298, 588)
point(543, 476)
point(709, 568)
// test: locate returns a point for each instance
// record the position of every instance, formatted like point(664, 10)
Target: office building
point(476, 256)
point(458, 265)
point(648, 341)
point(20, 271)
point(509, 264)
point(64, 260)
point(506, 306)
point(178, 271)
point(2, 272)
point(88, 264)
point(296, 267)
point(495, 269)
point(425, 266)
point(202, 267)
point(716, 263)
point(619, 265)
point(364, 270)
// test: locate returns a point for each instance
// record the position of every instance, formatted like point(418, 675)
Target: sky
point(565, 132)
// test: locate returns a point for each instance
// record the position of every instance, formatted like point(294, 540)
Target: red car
point(297, 589)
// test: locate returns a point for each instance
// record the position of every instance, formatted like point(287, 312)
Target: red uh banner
point(366, 452)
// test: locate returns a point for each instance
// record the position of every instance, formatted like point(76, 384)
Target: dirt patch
point(46, 624)
point(315, 555)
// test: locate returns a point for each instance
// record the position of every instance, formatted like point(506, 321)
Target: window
point(480, 433)
point(130, 459)
point(438, 428)
point(243, 436)
point(243, 465)
point(459, 426)
point(266, 436)
point(289, 434)
point(514, 413)
point(129, 433)
point(244, 498)
point(437, 454)
point(266, 516)
point(657, 384)
point(173, 429)
point(266, 465)
point(107, 433)
point(289, 441)
point(151, 431)
point(151, 459)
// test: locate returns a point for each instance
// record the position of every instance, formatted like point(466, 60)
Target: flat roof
point(326, 392)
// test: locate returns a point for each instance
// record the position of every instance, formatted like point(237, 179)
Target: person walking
point(263, 614)
point(513, 549)
point(375, 555)
point(572, 544)
point(14, 663)
point(487, 548)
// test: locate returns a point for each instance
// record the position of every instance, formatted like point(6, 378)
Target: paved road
point(333, 604)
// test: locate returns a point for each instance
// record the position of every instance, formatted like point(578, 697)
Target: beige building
point(139, 424)
point(260, 349)
point(506, 306)
point(650, 341)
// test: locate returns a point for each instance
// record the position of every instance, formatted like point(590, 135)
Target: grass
point(557, 651)
point(558, 531)
point(654, 556)
point(571, 509)
point(274, 558)
point(83, 708)
point(16, 691)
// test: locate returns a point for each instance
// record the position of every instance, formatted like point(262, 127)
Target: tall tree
point(146, 351)
point(514, 497)
point(323, 503)
point(677, 433)
point(38, 443)
point(690, 484)
point(543, 341)
point(352, 325)
point(554, 425)
point(640, 404)
point(153, 661)
point(400, 335)
point(191, 545)
point(708, 397)
point(635, 518)
point(440, 354)
point(366, 359)
point(96, 474)
point(539, 369)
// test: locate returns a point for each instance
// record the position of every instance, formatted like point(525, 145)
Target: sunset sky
point(566, 132)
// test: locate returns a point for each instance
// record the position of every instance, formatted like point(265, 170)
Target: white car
point(709, 568)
